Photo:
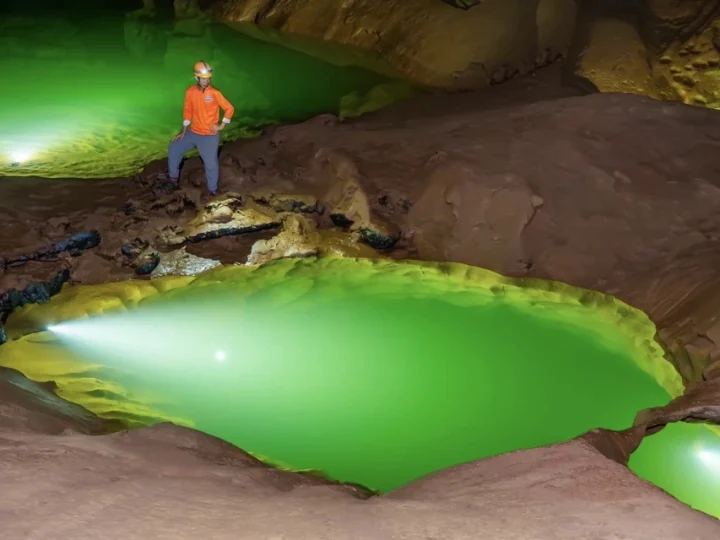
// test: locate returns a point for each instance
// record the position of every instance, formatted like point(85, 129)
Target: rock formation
point(666, 50)
point(428, 41)
point(657, 48)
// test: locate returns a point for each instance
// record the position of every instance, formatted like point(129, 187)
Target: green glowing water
point(684, 460)
point(102, 97)
point(374, 389)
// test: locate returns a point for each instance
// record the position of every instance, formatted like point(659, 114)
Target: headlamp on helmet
point(203, 70)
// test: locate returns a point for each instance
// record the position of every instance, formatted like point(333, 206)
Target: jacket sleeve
point(228, 109)
point(187, 110)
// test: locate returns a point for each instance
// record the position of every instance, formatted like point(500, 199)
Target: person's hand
point(179, 136)
point(217, 128)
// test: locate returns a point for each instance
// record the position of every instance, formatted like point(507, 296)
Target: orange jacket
point(202, 109)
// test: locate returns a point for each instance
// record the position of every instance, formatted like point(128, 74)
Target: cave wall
point(664, 22)
point(665, 49)
point(428, 41)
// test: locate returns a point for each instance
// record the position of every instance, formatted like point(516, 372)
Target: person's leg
point(208, 146)
point(177, 150)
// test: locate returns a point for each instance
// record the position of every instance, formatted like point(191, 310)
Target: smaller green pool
point(684, 460)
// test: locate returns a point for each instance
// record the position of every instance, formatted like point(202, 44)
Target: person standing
point(201, 113)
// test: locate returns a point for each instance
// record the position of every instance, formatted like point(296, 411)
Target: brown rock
point(458, 200)
point(348, 205)
point(299, 238)
point(182, 263)
point(283, 202)
point(225, 215)
point(700, 403)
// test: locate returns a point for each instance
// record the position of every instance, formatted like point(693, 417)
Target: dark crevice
point(262, 13)
point(39, 293)
point(463, 4)
point(74, 245)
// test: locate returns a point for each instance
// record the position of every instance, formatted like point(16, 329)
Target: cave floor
point(609, 192)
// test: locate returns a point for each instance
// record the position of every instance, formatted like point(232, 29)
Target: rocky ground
point(169, 482)
point(612, 192)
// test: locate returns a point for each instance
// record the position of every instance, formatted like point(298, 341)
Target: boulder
point(182, 263)
point(299, 238)
point(225, 215)
point(348, 205)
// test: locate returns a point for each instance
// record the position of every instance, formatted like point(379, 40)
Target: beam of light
point(162, 340)
point(711, 459)
point(19, 147)
point(130, 338)
point(20, 156)
point(61, 329)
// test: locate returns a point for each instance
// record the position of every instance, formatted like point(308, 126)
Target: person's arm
point(187, 117)
point(187, 111)
point(228, 109)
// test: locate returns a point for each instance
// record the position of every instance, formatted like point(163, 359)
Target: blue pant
point(207, 145)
